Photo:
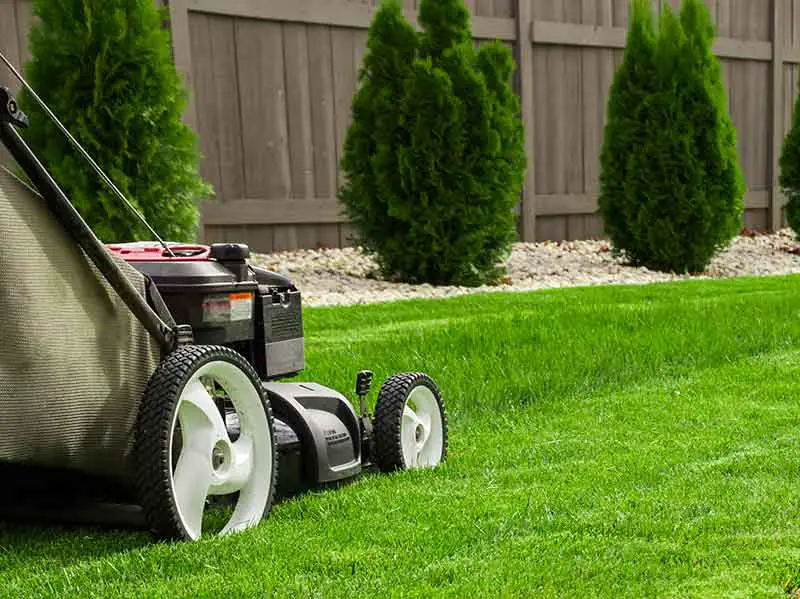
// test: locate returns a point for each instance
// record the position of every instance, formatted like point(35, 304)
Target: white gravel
point(345, 276)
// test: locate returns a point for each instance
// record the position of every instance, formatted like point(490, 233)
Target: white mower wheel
point(410, 424)
point(183, 448)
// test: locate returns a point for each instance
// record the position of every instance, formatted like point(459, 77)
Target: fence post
point(525, 67)
point(775, 196)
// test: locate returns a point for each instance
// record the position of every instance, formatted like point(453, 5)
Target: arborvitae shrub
point(789, 177)
point(105, 69)
point(671, 185)
point(434, 158)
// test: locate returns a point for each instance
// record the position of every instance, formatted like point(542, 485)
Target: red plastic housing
point(154, 252)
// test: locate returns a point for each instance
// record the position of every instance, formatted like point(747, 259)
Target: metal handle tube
point(72, 221)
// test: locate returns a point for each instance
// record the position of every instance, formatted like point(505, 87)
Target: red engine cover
point(152, 251)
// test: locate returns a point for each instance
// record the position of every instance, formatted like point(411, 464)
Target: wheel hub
point(221, 457)
point(419, 433)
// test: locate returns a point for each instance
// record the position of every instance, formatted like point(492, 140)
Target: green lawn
point(605, 442)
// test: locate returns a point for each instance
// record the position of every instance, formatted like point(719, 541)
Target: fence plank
point(323, 123)
point(327, 210)
point(795, 25)
point(262, 97)
point(9, 43)
point(560, 204)
point(574, 125)
point(527, 91)
point(504, 9)
point(298, 103)
point(344, 85)
point(337, 13)
point(298, 107)
point(572, 117)
point(24, 23)
point(573, 34)
point(183, 49)
point(776, 108)
point(591, 89)
point(620, 13)
point(226, 106)
point(484, 8)
point(205, 93)
point(273, 212)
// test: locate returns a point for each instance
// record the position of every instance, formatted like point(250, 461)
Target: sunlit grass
point(605, 442)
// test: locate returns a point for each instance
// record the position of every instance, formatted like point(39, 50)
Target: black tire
point(392, 399)
point(153, 468)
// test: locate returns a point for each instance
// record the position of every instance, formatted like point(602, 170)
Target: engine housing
point(227, 301)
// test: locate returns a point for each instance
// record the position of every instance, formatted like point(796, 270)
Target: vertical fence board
point(344, 86)
point(620, 13)
point(263, 104)
point(795, 24)
point(298, 103)
point(346, 232)
point(204, 93)
point(724, 18)
point(527, 87)
point(265, 134)
point(323, 124)
point(24, 12)
point(298, 109)
point(504, 8)
point(9, 43)
point(591, 93)
point(776, 112)
point(484, 8)
point(226, 106)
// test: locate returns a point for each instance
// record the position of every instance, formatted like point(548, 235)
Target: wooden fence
point(272, 83)
point(15, 20)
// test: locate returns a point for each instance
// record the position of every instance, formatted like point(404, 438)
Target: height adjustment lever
point(363, 383)
point(9, 110)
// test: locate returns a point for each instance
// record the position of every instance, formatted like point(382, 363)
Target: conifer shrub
point(105, 69)
point(434, 158)
point(789, 171)
point(671, 184)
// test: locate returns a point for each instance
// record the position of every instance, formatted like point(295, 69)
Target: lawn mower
point(161, 376)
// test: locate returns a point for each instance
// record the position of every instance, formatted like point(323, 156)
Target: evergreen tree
point(789, 177)
point(105, 69)
point(671, 185)
point(625, 126)
point(434, 157)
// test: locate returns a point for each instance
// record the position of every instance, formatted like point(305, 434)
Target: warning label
point(241, 306)
point(230, 307)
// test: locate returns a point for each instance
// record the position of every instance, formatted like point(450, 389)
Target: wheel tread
point(388, 415)
point(152, 441)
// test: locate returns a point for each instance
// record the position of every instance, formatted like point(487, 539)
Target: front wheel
point(205, 429)
point(410, 424)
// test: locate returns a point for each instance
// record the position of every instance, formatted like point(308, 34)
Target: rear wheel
point(205, 430)
point(410, 423)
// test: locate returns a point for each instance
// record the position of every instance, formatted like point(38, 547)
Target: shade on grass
point(606, 442)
